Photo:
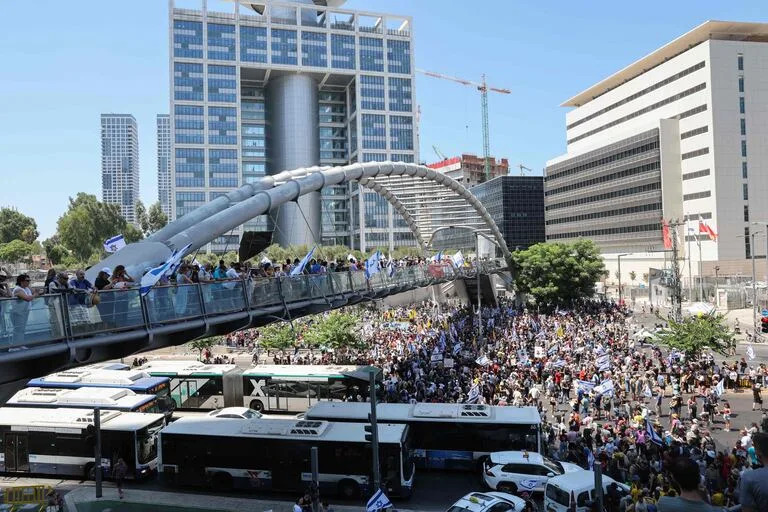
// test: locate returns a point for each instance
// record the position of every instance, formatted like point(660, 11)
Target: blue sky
point(62, 67)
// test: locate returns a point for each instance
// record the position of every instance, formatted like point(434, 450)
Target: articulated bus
point(136, 381)
point(448, 436)
point(115, 399)
point(274, 454)
point(264, 388)
point(59, 442)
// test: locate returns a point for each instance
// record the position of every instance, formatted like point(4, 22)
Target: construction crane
point(483, 88)
point(523, 169)
point(439, 154)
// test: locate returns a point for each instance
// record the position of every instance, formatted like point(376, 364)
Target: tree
point(645, 277)
point(632, 276)
point(278, 336)
point(157, 217)
point(142, 219)
point(15, 251)
point(201, 344)
point(558, 273)
point(694, 333)
point(336, 330)
point(54, 251)
point(87, 223)
point(16, 226)
point(132, 234)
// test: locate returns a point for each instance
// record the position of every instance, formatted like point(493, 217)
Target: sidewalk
point(200, 502)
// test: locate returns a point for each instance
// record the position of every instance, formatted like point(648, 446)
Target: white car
point(488, 502)
point(242, 413)
point(522, 471)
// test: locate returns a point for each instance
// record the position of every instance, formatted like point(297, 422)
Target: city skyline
point(133, 77)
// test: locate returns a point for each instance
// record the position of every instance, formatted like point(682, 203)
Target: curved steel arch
point(398, 206)
point(225, 216)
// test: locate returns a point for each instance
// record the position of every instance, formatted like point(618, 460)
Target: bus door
point(184, 393)
point(288, 467)
point(277, 395)
point(16, 452)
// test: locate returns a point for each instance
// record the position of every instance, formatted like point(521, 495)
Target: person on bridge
point(20, 307)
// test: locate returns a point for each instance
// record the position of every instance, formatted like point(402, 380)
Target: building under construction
point(469, 170)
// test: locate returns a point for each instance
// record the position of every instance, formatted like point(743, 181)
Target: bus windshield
point(146, 442)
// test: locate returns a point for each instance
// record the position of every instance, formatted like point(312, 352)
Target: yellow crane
point(483, 87)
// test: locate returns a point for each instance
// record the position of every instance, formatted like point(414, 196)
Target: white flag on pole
point(378, 501)
point(458, 260)
point(750, 352)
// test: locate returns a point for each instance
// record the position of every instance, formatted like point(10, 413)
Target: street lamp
point(619, 258)
point(754, 278)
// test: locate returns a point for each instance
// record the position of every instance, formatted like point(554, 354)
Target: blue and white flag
point(553, 349)
point(114, 244)
point(474, 394)
point(585, 385)
point(378, 501)
point(372, 265)
point(151, 278)
point(590, 458)
point(605, 387)
point(720, 388)
point(750, 352)
point(558, 364)
point(437, 257)
point(653, 436)
point(299, 269)
point(603, 362)
point(647, 393)
point(458, 260)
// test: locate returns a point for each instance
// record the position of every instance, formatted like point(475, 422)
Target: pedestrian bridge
point(60, 331)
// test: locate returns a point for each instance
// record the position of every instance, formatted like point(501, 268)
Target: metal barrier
point(53, 318)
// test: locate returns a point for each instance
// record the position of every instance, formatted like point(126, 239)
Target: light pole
point(619, 258)
point(717, 281)
point(754, 278)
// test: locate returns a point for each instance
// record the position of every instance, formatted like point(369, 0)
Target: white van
point(579, 486)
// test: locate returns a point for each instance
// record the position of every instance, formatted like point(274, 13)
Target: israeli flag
point(654, 437)
point(114, 244)
point(372, 265)
point(750, 352)
point(553, 349)
point(585, 385)
point(605, 387)
point(558, 364)
point(299, 269)
point(474, 394)
point(378, 501)
point(720, 388)
point(647, 391)
point(458, 260)
point(151, 278)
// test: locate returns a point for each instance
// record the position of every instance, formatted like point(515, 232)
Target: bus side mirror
point(90, 435)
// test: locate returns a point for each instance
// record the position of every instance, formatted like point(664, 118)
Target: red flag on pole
point(665, 234)
point(706, 228)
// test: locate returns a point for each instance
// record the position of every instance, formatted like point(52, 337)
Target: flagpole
point(701, 276)
point(690, 271)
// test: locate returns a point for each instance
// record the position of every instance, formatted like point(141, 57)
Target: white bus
point(136, 381)
point(448, 436)
point(274, 454)
point(196, 385)
point(115, 399)
point(296, 388)
point(60, 442)
point(263, 388)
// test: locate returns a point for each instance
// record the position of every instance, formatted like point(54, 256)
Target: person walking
point(119, 471)
point(757, 400)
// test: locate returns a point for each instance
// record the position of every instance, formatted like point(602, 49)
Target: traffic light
point(764, 323)
point(369, 433)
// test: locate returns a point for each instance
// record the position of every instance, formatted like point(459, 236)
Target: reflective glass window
point(400, 99)
point(401, 132)
point(253, 44)
point(222, 83)
point(188, 81)
point(342, 51)
point(374, 131)
point(222, 168)
point(284, 47)
point(372, 92)
point(188, 201)
point(221, 41)
point(371, 54)
point(189, 124)
point(399, 56)
point(314, 49)
point(188, 39)
point(222, 125)
point(190, 169)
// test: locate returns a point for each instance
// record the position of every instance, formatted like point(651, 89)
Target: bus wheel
point(222, 481)
point(349, 489)
point(88, 472)
point(507, 487)
point(257, 406)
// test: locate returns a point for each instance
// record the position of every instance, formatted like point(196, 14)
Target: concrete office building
point(678, 134)
point(273, 86)
point(120, 162)
point(164, 163)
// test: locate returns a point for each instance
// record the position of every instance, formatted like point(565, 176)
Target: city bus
point(60, 442)
point(263, 388)
point(448, 436)
point(296, 388)
point(115, 399)
point(274, 454)
point(136, 381)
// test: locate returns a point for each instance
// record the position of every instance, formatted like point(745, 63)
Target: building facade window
point(188, 81)
point(222, 83)
point(741, 83)
point(342, 51)
point(374, 131)
point(607, 231)
point(400, 94)
point(695, 174)
point(747, 244)
point(221, 42)
point(371, 54)
point(372, 92)
point(608, 195)
point(740, 62)
point(188, 201)
point(746, 213)
point(314, 50)
point(697, 195)
point(399, 56)
point(744, 148)
point(190, 124)
point(374, 157)
point(743, 126)
point(187, 39)
point(745, 191)
point(253, 44)
point(693, 154)
point(696, 131)
point(401, 132)
point(222, 168)
point(222, 125)
point(284, 44)
point(742, 108)
point(397, 157)
point(744, 170)
point(190, 169)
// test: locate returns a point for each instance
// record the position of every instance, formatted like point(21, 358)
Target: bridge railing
point(53, 318)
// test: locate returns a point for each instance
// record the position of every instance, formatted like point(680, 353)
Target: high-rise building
point(164, 163)
point(677, 135)
point(273, 86)
point(120, 162)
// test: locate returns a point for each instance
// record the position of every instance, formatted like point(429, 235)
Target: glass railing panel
point(223, 297)
point(264, 292)
point(319, 286)
point(358, 281)
point(23, 323)
point(166, 304)
point(296, 288)
point(340, 282)
point(116, 310)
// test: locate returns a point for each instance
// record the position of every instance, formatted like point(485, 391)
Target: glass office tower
point(120, 162)
point(164, 163)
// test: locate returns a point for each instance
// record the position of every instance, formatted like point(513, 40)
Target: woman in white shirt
point(20, 307)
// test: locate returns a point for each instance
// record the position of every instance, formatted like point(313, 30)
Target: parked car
point(522, 471)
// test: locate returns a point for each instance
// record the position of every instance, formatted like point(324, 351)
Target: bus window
point(146, 443)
